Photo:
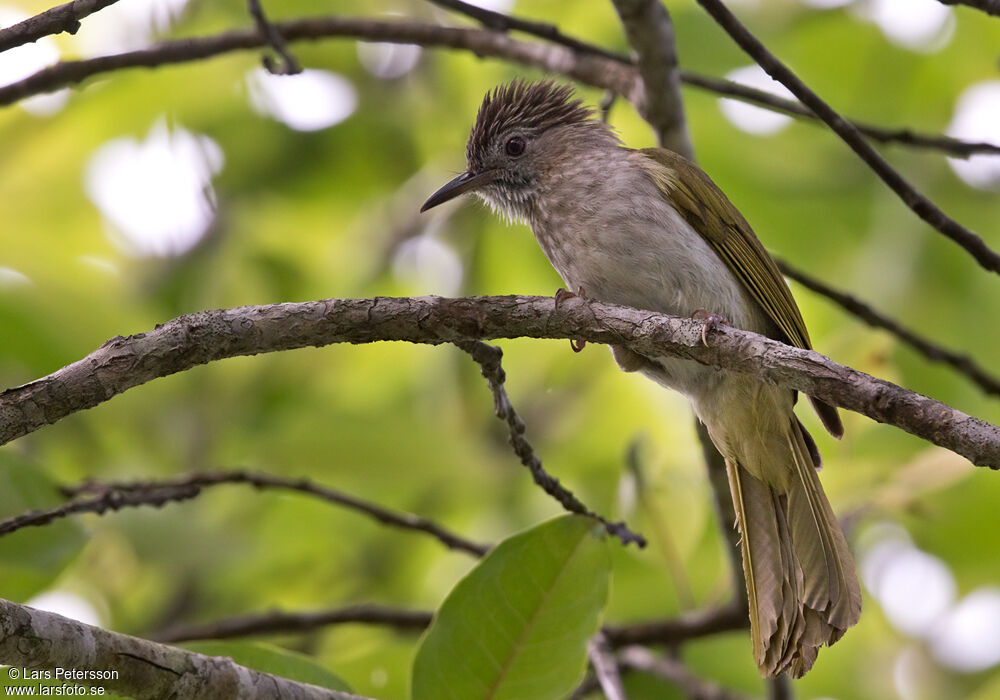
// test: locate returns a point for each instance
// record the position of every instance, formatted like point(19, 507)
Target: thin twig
point(990, 7)
point(918, 203)
point(206, 336)
point(63, 18)
point(926, 347)
point(907, 137)
point(488, 358)
point(642, 659)
point(114, 496)
point(280, 622)
point(669, 632)
point(497, 21)
point(605, 667)
point(677, 630)
point(289, 66)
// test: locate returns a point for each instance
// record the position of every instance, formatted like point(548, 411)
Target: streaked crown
point(528, 107)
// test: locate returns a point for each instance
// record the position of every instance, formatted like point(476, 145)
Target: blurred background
point(150, 193)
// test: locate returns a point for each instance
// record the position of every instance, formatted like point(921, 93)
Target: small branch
point(674, 631)
point(144, 670)
point(63, 18)
point(651, 33)
point(605, 667)
point(990, 7)
point(117, 495)
point(497, 21)
point(780, 688)
point(641, 659)
point(206, 336)
point(929, 349)
point(907, 137)
point(918, 203)
point(270, 33)
point(488, 359)
point(278, 622)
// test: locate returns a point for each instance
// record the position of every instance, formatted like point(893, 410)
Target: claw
point(712, 321)
point(561, 296)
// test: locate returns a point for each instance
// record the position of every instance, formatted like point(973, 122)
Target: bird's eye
point(514, 146)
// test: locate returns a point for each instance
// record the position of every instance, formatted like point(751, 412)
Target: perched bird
point(649, 229)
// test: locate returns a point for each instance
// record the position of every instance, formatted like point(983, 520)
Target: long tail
point(801, 584)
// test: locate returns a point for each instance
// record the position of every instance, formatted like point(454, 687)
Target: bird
point(649, 229)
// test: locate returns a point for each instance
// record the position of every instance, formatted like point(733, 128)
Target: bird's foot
point(561, 296)
point(712, 321)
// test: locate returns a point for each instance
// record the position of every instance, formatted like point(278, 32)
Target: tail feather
point(802, 588)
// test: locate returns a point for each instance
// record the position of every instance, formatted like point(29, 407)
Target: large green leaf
point(274, 660)
point(32, 558)
point(517, 626)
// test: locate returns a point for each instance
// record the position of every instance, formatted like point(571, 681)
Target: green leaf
point(274, 660)
point(32, 558)
point(517, 625)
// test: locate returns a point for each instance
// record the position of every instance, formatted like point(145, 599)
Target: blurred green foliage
point(308, 215)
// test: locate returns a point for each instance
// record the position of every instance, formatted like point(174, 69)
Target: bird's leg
point(712, 321)
point(561, 296)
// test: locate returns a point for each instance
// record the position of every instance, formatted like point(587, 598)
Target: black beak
point(466, 182)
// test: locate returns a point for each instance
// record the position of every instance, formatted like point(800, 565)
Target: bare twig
point(488, 359)
point(990, 7)
point(921, 206)
point(605, 667)
point(500, 22)
point(673, 631)
point(642, 659)
point(194, 339)
point(651, 33)
point(141, 669)
point(63, 18)
point(926, 347)
point(117, 495)
point(270, 33)
point(279, 622)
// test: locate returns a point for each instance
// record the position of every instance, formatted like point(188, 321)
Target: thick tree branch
point(876, 319)
point(95, 497)
point(145, 670)
point(918, 203)
point(651, 33)
point(583, 66)
point(990, 7)
point(194, 339)
point(64, 18)
point(488, 359)
point(280, 622)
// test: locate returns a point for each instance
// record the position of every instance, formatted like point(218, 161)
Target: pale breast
point(610, 231)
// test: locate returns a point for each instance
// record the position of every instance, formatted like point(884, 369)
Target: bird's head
point(523, 132)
